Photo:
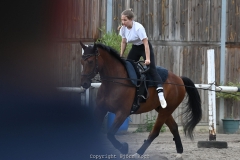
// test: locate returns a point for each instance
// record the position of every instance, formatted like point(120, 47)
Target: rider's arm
point(147, 51)
point(123, 46)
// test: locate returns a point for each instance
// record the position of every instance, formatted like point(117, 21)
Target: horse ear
point(83, 46)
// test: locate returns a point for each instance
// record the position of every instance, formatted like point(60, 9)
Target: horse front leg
point(172, 125)
point(99, 114)
point(119, 119)
point(153, 134)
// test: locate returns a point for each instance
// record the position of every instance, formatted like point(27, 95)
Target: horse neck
point(112, 67)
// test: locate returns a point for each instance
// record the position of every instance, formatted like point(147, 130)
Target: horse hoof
point(179, 157)
point(124, 148)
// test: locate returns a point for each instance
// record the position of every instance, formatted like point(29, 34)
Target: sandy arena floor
point(163, 147)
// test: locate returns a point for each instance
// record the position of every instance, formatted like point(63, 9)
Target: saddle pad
point(163, 72)
point(131, 72)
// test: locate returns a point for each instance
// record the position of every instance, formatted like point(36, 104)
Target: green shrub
point(148, 125)
point(233, 96)
point(112, 39)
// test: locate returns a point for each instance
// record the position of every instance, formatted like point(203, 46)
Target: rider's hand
point(147, 62)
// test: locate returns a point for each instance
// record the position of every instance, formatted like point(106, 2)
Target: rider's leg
point(157, 79)
point(161, 96)
point(135, 53)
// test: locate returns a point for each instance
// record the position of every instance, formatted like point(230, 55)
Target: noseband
point(95, 70)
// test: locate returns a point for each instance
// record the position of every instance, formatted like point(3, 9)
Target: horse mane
point(112, 51)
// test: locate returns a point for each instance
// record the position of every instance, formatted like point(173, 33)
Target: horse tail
point(192, 114)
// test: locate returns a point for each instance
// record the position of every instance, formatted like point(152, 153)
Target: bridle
point(95, 70)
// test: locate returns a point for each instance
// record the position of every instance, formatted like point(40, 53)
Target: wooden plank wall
point(175, 20)
point(232, 71)
point(80, 20)
point(232, 68)
point(180, 31)
point(233, 17)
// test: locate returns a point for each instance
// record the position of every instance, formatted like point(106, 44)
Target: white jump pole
point(211, 95)
point(199, 86)
point(218, 88)
point(211, 143)
point(72, 89)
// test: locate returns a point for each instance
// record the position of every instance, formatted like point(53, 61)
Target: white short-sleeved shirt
point(135, 35)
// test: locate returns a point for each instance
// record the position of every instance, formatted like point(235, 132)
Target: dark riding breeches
point(139, 50)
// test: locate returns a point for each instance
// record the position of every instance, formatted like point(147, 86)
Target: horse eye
point(90, 62)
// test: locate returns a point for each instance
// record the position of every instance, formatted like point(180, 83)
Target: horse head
point(89, 63)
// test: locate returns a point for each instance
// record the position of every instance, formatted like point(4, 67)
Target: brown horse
point(116, 94)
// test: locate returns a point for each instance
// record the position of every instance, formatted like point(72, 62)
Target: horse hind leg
point(172, 125)
point(122, 147)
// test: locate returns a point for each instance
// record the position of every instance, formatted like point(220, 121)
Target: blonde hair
point(128, 13)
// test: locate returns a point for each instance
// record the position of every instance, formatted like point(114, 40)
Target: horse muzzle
point(86, 84)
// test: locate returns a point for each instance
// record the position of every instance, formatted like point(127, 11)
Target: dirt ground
point(163, 147)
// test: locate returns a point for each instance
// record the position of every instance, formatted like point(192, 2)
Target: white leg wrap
point(179, 156)
point(161, 97)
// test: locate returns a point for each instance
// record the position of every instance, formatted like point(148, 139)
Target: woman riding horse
point(116, 94)
point(133, 32)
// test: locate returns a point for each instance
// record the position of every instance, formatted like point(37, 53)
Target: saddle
point(142, 80)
